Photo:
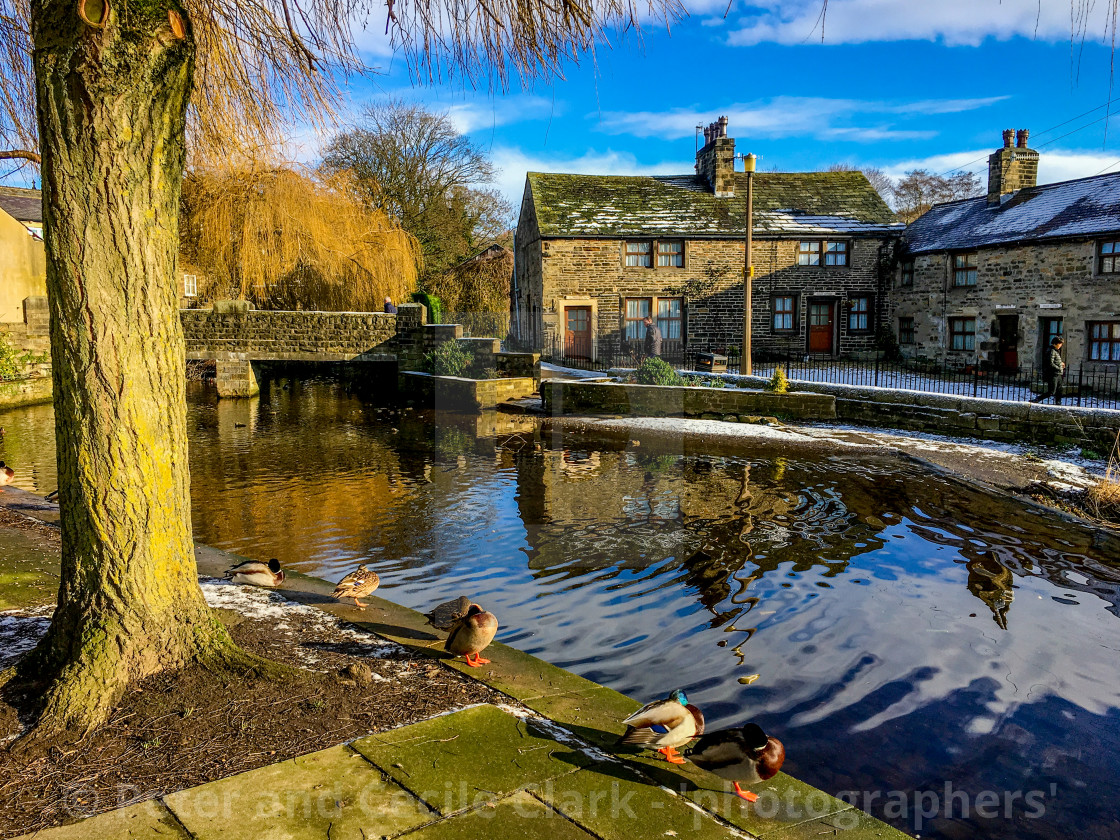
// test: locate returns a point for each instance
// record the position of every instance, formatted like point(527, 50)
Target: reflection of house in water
point(1069, 558)
point(711, 518)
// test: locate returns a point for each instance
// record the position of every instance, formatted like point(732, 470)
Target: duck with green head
point(664, 725)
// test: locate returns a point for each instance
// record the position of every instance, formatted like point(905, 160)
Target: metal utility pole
point(745, 368)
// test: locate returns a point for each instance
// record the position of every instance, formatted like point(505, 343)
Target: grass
point(1105, 494)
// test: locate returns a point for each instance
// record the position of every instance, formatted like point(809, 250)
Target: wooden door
point(1008, 342)
point(821, 326)
point(577, 332)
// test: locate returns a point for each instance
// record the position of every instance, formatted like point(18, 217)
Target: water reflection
point(908, 630)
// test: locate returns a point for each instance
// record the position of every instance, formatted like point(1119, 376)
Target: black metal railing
point(1088, 385)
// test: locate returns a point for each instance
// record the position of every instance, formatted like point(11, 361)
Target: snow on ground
point(1062, 466)
point(256, 603)
point(20, 631)
point(571, 373)
point(710, 427)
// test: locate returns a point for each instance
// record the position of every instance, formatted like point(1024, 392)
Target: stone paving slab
point(143, 821)
point(595, 715)
point(334, 790)
point(464, 759)
point(519, 817)
point(615, 803)
point(852, 824)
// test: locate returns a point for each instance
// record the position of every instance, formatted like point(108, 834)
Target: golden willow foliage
point(285, 240)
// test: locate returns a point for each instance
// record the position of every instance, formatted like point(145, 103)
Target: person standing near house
point(652, 344)
point(1052, 372)
point(389, 308)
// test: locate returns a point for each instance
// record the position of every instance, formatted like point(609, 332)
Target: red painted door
point(577, 332)
point(821, 327)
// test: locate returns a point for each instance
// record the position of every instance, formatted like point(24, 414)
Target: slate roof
point(785, 204)
point(1086, 207)
point(22, 204)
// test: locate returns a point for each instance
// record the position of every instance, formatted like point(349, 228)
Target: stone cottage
point(989, 281)
point(23, 269)
point(594, 254)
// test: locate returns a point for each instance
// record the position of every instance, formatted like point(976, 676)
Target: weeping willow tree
point(97, 92)
point(284, 239)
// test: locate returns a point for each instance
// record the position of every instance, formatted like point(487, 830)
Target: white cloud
point(787, 116)
point(953, 22)
point(514, 163)
point(483, 115)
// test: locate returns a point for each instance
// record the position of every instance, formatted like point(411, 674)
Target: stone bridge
point(236, 337)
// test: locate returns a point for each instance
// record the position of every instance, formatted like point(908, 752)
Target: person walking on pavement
point(1052, 371)
point(652, 344)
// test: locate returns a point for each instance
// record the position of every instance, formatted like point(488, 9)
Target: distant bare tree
point(414, 165)
point(919, 190)
point(878, 178)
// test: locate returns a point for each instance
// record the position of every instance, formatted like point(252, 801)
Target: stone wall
point(572, 397)
point(592, 272)
point(998, 420)
point(289, 336)
point(20, 392)
point(1033, 282)
point(454, 392)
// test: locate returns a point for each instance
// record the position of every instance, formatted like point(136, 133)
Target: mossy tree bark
point(112, 79)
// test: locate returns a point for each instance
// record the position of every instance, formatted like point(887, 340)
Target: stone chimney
point(715, 162)
point(1011, 168)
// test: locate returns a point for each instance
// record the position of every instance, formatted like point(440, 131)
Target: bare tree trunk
point(111, 100)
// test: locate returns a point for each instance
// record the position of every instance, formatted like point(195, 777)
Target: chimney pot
point(1008, 135)
point(1021, 137)
point(723, 126)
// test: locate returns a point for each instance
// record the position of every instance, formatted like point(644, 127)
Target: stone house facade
point(594, 254)
point(989, 281)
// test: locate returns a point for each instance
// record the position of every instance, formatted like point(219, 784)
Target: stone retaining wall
point(459, 393)
point(20, 392)
point(568, 397)
point(999, 420)
point(288, 336)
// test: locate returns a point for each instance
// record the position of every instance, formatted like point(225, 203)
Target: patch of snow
point(711, 427)
point(557, 732)
point(257, 603)
point(21, 630)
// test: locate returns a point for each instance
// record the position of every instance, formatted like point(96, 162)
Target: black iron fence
point(1092, 386)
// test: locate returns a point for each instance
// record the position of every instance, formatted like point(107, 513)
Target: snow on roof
point(1085, 207)
point(792, 203)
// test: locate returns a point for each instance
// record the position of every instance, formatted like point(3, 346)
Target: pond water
point(917, 642)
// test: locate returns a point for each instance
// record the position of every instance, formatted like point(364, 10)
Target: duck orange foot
point(746, 794)
point(671, 755)
point(477, 662)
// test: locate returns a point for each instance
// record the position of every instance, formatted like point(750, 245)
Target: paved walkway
point(541, 767)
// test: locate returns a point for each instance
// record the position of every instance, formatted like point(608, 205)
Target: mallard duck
point(470, 635)
point(665, 725)
point(741, 755)
point(358, 584)
point(6, 474)
point(257, 573)
point(446, 614)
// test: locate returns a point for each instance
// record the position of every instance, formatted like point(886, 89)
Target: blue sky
point(897, 84)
